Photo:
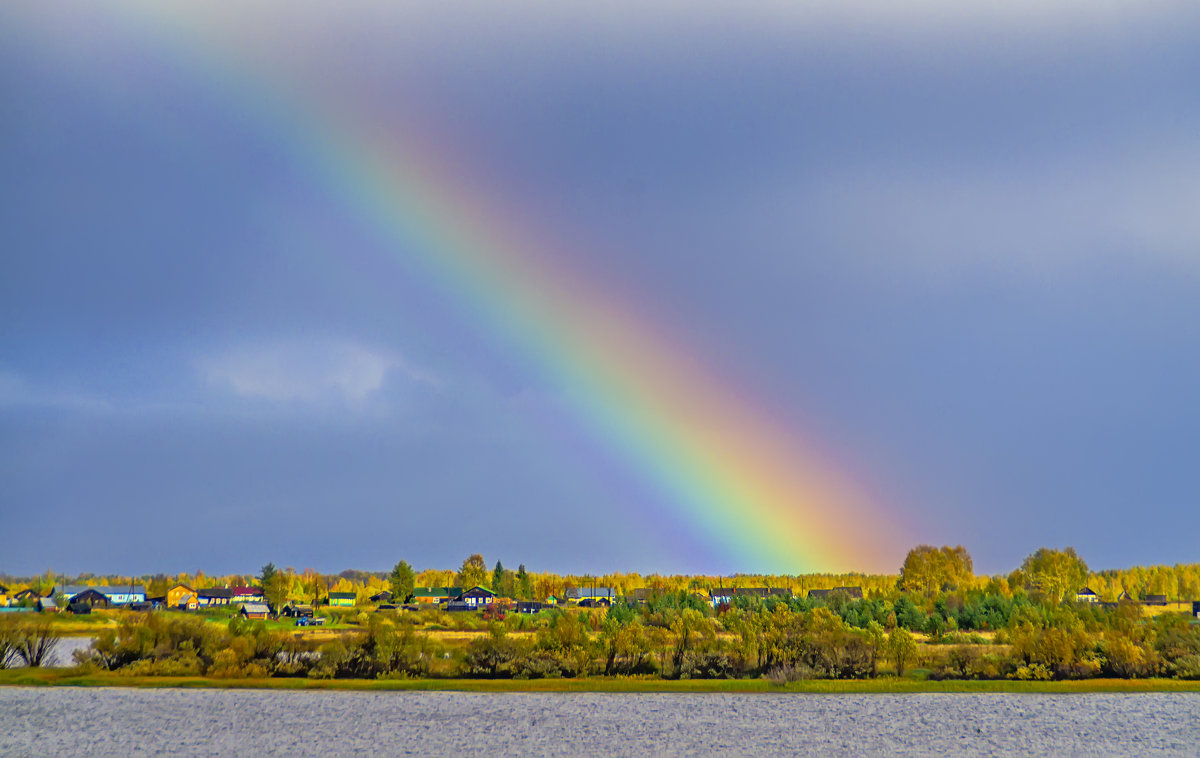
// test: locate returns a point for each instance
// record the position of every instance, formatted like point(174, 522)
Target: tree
point(268, 571)
point(1057, 574)
point(473, 572)
point(402, 580)
point(930, 570)
point(498, 578)
point(524, 583)
point(275, 589)
point(902, 649)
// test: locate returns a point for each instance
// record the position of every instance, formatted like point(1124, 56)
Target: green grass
point(883, 685)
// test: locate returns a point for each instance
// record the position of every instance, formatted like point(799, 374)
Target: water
point(121, 722)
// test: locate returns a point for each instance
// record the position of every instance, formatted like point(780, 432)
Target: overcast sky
point(955, 246)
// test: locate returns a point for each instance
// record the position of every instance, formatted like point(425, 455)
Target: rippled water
point(119, 722)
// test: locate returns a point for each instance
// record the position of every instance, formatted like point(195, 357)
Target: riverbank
point(883, 685)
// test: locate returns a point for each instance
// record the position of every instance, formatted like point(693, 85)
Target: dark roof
point(579, 593)
point(1156, 599)
point(760, 592)
point(220, 592)
point(478, 591)
point(343, 595)
point(1085, 591)
point(855, 593)
point(437, 591)
point(385, 595)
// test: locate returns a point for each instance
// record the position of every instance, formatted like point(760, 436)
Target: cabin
point(182, 597)
point(530, 606)
point(1085, 595)
point(476, 597)
point(91, 598)
point(598, 595)
point(213, 597)
point(297, 611)
point(726, 595)
point(121, 595)
point(382, 597)
point(47, 605)
point(435, 595)
point(343, 599)
point(254, 610)
point(854, 593)
point(23, 595)
point(239, 595)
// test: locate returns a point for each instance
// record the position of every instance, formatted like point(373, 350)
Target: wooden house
point(726, 595)
point(435, 595)
point(254, 610)
point(212, 597)
point(238, 595)
point(598, 595)
point(297, 611)
point(530, 606)
point(343, 599)
point(183, 597)
point(47, 605)
point(92, 598)
point(1085, 595)
point(476, 598)
point(23, 595)
point(382, 597)
point(854, 593)
point(119, 595)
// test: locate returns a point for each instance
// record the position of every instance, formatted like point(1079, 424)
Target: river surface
point(126, 722)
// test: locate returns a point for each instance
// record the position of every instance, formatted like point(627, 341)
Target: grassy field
point(72, 678)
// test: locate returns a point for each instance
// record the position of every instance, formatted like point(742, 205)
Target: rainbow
point(727, 470)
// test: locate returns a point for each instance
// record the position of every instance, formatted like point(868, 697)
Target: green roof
point(437, 591)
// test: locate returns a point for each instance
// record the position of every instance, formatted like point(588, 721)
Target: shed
point(255, 610)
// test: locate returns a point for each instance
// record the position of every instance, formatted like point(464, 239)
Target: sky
point(658, 287)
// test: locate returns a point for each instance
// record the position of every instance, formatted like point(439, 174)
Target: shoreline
point(71, 678)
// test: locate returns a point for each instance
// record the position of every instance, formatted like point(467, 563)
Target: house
point(344, 599)
point(23, 595)
point(530, 606)
point(297, 610)
point(213, 596)
point(91, 597)
point(239, 595)
point(601, 595)
point(382, 597)
point(122, 595)
point(553, 600)
point(254, 610)
point(1085, 595)
point(435, 595)
point(726, 595)
point(476, 597)
point(3, 595)
point(183, 597)
point(47, 605)
point(854, 593)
